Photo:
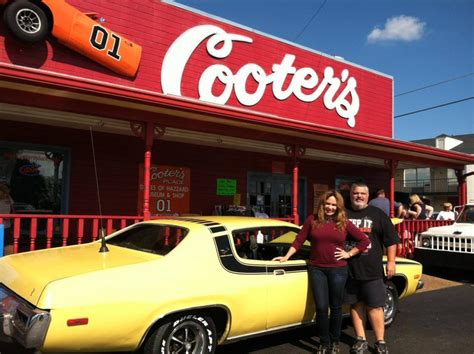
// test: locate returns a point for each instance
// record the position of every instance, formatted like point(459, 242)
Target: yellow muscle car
point(164, 286)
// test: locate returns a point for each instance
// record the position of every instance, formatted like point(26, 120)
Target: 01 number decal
point(100, 38)
point(163, 205)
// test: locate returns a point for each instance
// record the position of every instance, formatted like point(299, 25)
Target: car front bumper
point(21, 321)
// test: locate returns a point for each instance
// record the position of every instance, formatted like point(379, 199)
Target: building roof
point(467, 146)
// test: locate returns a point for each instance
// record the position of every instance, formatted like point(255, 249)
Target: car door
point(288, 296)
point(290, 299)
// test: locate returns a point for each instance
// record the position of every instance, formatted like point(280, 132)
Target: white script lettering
point(304, 83)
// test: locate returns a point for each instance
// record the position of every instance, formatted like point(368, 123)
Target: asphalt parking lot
point(438, 319)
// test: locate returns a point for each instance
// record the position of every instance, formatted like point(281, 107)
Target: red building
point(214, 115)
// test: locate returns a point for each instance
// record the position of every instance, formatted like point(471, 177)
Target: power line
point(430, 108)
point(309, 21)
point(436, 84)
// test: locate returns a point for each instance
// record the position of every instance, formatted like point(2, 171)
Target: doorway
point(272, 194)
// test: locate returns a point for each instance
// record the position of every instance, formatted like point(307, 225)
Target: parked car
point(185, 283)
point(450, 246)
point(33, 21)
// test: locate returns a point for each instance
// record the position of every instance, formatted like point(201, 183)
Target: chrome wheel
point(188, 337)
point(28, 21)
point(389, 307)
point(391, 303)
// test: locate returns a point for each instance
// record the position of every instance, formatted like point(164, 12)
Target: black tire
point(196, 334)
point(391, 303)
point(27, 21)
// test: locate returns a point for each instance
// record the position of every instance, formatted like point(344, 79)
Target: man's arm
point(391, 265)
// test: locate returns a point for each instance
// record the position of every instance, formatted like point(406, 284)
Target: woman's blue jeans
point(328, 290)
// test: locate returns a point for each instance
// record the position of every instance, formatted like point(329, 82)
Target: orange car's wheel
point(183, 334)
point(27, 21)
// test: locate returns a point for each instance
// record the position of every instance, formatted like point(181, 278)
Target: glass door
point(271, 194)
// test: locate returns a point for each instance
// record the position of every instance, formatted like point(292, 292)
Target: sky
point(417, 42)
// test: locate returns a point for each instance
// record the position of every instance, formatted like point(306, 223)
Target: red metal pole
point(462, 197)
point(296, 218)
point(463, 191)
point(392, 166)
point(146, 167)
point(392, 188)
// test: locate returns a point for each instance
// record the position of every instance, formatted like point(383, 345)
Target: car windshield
point(467, 215)
point(151, 238)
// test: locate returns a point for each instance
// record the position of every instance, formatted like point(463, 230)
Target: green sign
point(226, 186)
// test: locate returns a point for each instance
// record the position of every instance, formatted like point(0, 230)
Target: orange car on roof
point(33, 21)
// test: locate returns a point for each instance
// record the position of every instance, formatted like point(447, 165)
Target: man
point(366, 289)
point(381, 202)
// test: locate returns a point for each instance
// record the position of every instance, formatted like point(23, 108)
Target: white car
point(450, 246)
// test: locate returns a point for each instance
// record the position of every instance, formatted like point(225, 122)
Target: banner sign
point(170, 189)
point(226, 186)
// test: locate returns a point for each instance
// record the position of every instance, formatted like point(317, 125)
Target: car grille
point(461, 244)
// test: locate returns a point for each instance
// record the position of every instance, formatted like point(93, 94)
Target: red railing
point(37, 231)
point(33, 231)
point(407, 231)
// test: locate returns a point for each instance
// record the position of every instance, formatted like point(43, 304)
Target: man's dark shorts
point(370, 292)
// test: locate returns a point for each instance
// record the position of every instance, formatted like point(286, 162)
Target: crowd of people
point(415, 209)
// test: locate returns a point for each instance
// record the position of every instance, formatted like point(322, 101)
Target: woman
point(418, 209)
point(447, 213)
point(327, 230)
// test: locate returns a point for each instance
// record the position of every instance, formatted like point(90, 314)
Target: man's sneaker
point(321, 349)
point(360, 346)
point(381, 347)
point(335, 348)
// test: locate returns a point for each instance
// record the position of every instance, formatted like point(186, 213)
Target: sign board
point(191, 55)
point(170, 190)
point(226, 186)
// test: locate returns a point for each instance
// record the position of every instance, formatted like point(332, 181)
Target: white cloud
point(402, 28)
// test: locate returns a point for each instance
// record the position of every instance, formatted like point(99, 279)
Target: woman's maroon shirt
point(325, 239)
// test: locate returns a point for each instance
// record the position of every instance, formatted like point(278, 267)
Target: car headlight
point(426, 242)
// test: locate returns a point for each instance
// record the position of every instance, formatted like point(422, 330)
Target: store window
point(416, 177)
point(452, 178)
point(37, 177)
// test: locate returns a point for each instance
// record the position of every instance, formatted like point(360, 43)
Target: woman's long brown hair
point(340, 217)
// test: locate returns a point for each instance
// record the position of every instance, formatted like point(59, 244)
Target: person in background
point(447, 213)
point(365, 290)
point(399, 210)
point(6, 207)
point(327, 230)
point(381, 202)
point(418, 209)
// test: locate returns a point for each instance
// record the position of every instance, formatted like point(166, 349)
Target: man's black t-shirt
point(368, 265)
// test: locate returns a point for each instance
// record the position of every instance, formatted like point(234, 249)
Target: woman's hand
point(341, 254)
point(280, 259)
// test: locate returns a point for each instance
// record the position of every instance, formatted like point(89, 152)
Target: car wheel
point(26, 21)
point(391, 303)
point(193, 334)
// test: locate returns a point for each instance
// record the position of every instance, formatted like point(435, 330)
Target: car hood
point(458, 229)
point(27, 274)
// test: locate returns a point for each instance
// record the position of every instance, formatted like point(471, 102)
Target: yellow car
point(164, 286)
